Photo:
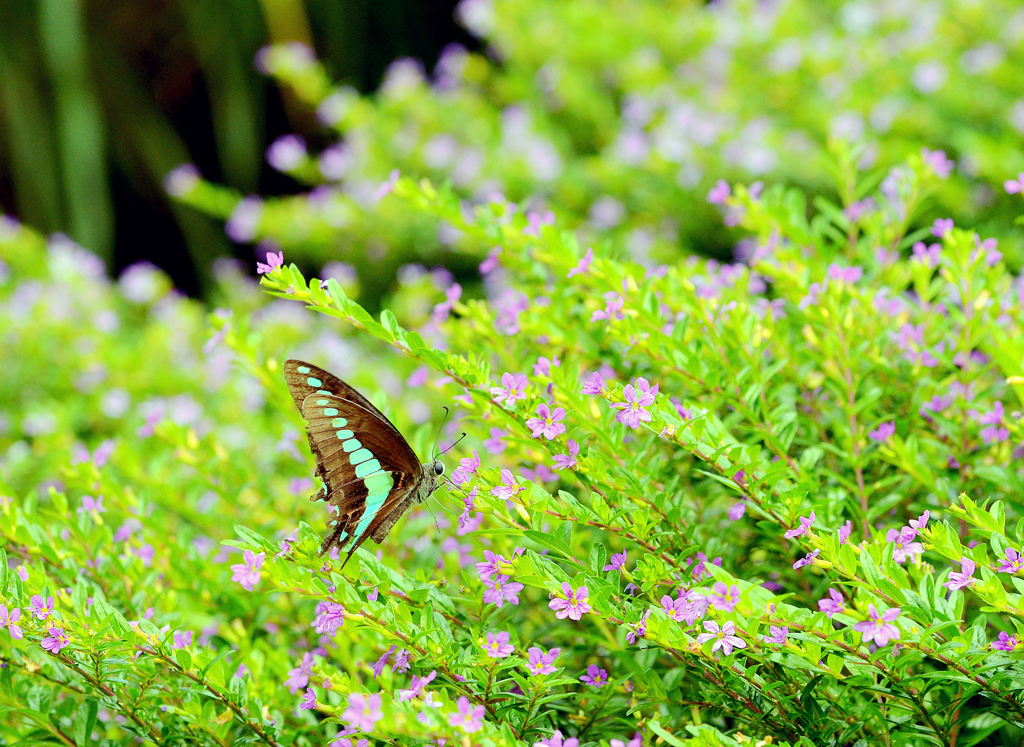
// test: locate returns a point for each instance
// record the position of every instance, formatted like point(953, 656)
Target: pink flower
point(583, 265)
point(572, 604)
point(778, 635)
point(497, 646)
point(1015, 186)
point(595, 677)
point(725, 598)
point(363, 711)
point(41, 608)
point(879, 628)
point(567, 461)
point(542, 663)
point(904, 546)
point(594, 384)
point(329, 617)
point(499, 591)
point(612, 309)
point(248, 573)
point(616, 561)
point(1014, 561)
point(53, 642)
point(724, 636)
point(942, 226)
point(490, 566)
point(1005, 642)
point(512, 389)
point(417, 687)
point(547, 423)
point(719, 193)
point(673, 607)
point(884, 432)
point(273, 262)
point(632, 412)
point(509, 488)
point(468, 718)
point(844, 532)
point(468, 467)
point(10, 621)
point(937, 161)
point(964, 578)
point(556, 740)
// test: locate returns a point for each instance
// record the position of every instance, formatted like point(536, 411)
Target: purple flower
point(638, 629)
point(401, 663)
point(490, 567)
point(88, 504)
point(469, 718)
point(509, 488)
point(273, 262)
point(674, 608)
point(547, 423)
point(844, 532)
point(128, 527)
point(497, 646)
point(904, 546)
point(248, 573)
point(884, 432)
point(594, 384)
point(993, 419)
point(845, 274)
point(468, 467)
point(805, 525)
point(595, 677)
point(928, 255)
point(298, 677)
point(182, 639)
point(10, 621)
point(1014, 562)
point(41, 608)
point(387, 186)
point(536, 221)
point(1005, 642)
point(936, 159)
point(638, 738)
point(512, 389)
point(496, 443)
point(363, 711)
point(543, 366)
point(616, 561)
point(724, 597)
point(964, 578)
point(807, 559)
point(833, 605)
point(632, 412)
point(736, 511)
point(778, 635)
point(382, 662)
point(879, 628)
point(329, 617)
point(938, 403)
point(724, 636)
point(500, 591)
point(719, 193)
point(1015, 186)
point(556, 740)
point(372, 596)
point(308, 702)
point(942, 226)
point(921, 521)
point(567, 461)
point(583, 265)
point(52, 643)
point(612, 309)
point(286, 153)
point(572, 603)
point(417, 687)
point(542, 663)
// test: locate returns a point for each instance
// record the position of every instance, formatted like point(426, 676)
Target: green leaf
point(669, 738)
point(85, 721)
point(184, 658)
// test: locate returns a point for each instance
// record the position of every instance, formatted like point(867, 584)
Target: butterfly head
point(438, 467)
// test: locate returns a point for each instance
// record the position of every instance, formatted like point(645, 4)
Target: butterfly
point(370, 474)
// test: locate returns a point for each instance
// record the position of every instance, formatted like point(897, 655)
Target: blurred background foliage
point(617, 116)
point(99, 99)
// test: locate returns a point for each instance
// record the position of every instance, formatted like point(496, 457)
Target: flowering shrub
point(621, 122)
point(699, 503)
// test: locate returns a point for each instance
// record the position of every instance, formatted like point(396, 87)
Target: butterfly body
point(370, 474)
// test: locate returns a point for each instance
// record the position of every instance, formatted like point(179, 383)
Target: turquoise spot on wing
point(339, 423)
point(351, 445)
point(367, 468)
point(303, 369)
point(342, 435)
point(322, 391)
point(373, 503)
point(380, 482)
point(360, 456)
point(330, 412)
point(313, 382)
point(321, 401)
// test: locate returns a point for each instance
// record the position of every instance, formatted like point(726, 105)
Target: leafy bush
point(698, 502)
point(621, 121)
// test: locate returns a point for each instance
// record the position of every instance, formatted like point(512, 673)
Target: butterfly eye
point(438, 468)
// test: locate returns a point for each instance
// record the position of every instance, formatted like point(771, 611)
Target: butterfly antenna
point(452, 446)
point(447, 412)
